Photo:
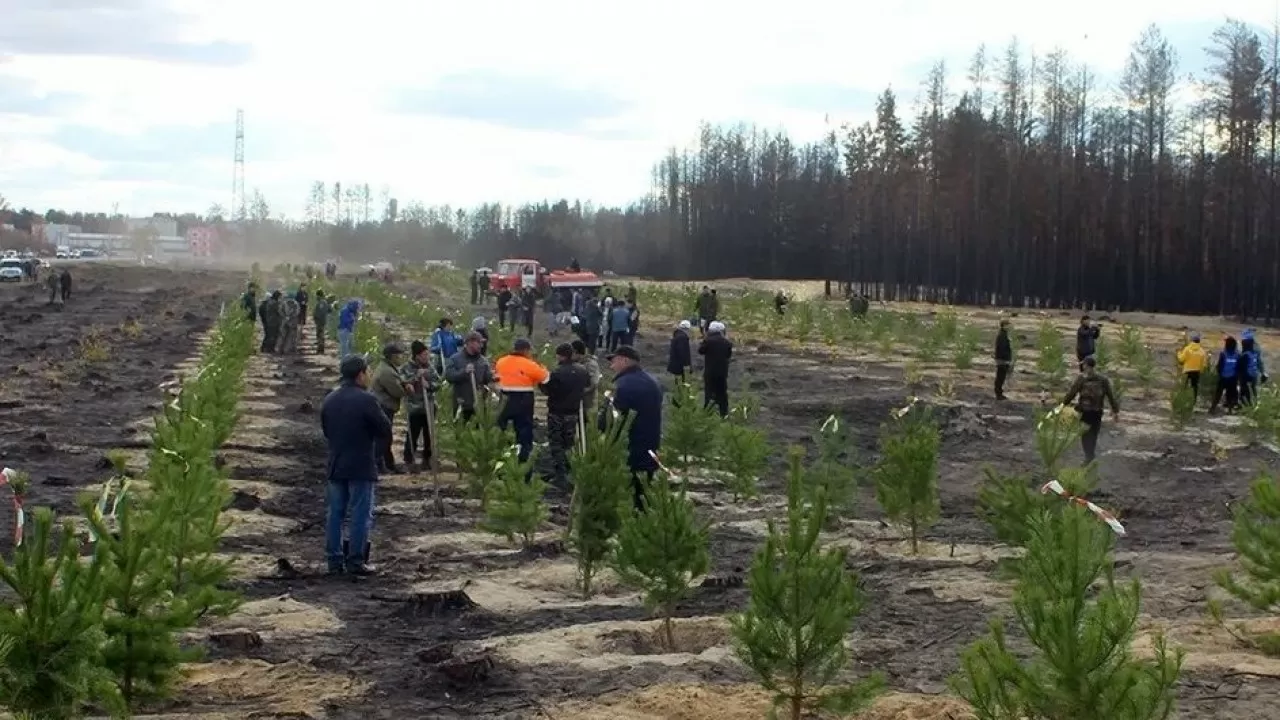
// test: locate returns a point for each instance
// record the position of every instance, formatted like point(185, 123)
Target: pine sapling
point(602, 495)
point(1051, 366)
point(52, 627)
point(516, 505)
point(743, 453)
point(689, 434)
point(907, 474)
point(1256, 536)
point(1057, 431)
point(661, 549)
point(1182, 402)
point(1082, 665)
point(834, 471)
point(479, 446)
point(802, 606)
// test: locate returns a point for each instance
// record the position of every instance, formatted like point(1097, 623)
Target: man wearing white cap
point(718, 352)
point(680, 354)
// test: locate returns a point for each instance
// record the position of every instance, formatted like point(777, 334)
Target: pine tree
point(1050, 363)
point(52, 629)
point(479, 446)
point(661, 549)
point(602, 496)
point(743, 453)
point(1057, 431)
point(834, 471)
point(145, 613)
point(907, 473)
point(1256, 535)
point(690, 430)
point(516, 507)
point(1182, 402)
point(802, 607)
point(1083, 668)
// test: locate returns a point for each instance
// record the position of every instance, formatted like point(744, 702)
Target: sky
point(131, 104)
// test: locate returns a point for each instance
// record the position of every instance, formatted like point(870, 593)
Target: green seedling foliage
point(966, 347)
point(1009, 502)
point(1255, 533)
point(1051, 365)
point(1082, 666)
point(144, 615)
point(803, 319)
point(690, 432)
point(743, 453)
point(906, 475)
point(1182, 402)
point(1102, 353)
point(516, 507)
point(930, 345)
point(1057, 430)
point(603, 494)
point(803, 602)
point(479, 446)
point(661, 550)
point(1262, 416)
point(834, 472)
point(1144, 368)
point(947, 325)
point(1131, 345)
point(51, 629)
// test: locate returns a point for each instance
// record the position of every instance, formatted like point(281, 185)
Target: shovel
point(434, 464)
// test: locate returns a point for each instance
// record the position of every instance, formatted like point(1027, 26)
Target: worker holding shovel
point(565, 389)
point(420, 375)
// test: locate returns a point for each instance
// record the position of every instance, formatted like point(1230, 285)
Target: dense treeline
point(1025, 181)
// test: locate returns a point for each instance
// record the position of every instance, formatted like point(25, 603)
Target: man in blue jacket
point(637, 393)
point(353, 426)
point(347, 318)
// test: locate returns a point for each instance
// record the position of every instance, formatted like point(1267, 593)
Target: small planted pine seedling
point(145, 616)
point(602, 495)
point(1051, 365)
point(690, 433)
point(1182, 402)
point(1131, 345)
point(1007, 501)
point(1102, 353)
point(1256, 536)
point(802, 606)
point(834, 471)
point(966, 347)
point(1144, 368)
point(516, 508)
point(907, 474)
point(932, 344)
point(480, 445)
point(51, 628)
point(743, 453)
point(661, 550)
point(1057, 430)
point(1082, 666)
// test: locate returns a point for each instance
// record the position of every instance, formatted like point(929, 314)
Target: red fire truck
point(514, 273)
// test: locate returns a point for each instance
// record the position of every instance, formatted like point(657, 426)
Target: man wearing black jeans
point(419, 374)
point(1086, 340)
point(1093, 389)
point(1004, 358)
point(718, 351)
point(637, 394)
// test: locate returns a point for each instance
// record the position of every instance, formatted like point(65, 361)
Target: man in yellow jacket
point(1193, 360)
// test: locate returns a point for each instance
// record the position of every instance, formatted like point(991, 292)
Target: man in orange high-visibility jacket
point(519, 376)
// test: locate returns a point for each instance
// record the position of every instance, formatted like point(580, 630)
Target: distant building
point(162, 246)
point(54, 233)
point(164, 227)
point(203, 241)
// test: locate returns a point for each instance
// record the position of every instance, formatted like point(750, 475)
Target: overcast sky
point(133, 101)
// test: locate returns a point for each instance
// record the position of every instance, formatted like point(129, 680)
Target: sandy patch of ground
point(738, 702)
point(243, 523)
point(260, 407)
point(1210, 646)
point(280, 616)
point(605, 645)
point(535, 586)
point(256, 685)
point(249, 566)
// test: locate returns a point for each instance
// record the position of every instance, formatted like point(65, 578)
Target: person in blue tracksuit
point(353, 426)
point(638, 394)
point(1228, 377)
point(1252, 370)
point(347, 319)
point(444, 343)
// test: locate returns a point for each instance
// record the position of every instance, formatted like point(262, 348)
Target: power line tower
point(237, 208)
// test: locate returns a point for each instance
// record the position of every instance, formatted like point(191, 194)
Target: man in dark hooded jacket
point(638, 394)
point(718, 351)
point(680, 354)
point(566, 389)
point(269, 313)
point(1086, 340)
point(1093, 390)
point(65, 288)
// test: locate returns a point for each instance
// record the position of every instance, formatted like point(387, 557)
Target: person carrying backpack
point(1092, 389)
point(1252, 370)
point(1228, 377)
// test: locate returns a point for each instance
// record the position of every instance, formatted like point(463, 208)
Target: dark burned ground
point(66, 399)
point(520, 644)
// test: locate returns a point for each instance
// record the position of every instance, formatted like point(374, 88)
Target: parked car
point(11, 270)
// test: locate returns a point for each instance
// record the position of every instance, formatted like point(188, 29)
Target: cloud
point(22, 97)
point(139, 29)
point(513, 101)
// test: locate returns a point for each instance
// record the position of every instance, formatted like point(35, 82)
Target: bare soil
point(462, 624)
